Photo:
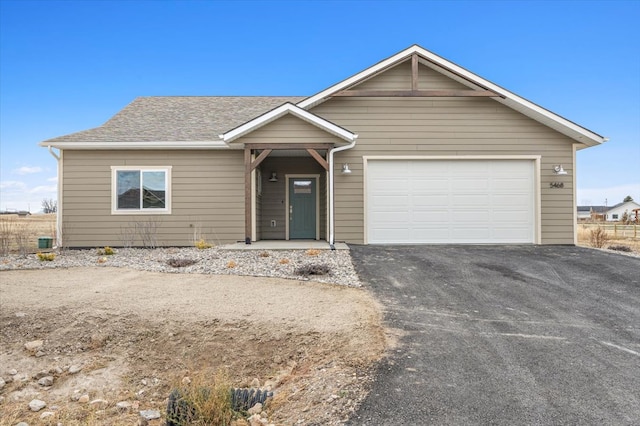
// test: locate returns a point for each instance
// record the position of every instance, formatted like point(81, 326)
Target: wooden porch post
point(247, 195)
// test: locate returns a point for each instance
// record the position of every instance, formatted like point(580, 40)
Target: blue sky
point(67, 66)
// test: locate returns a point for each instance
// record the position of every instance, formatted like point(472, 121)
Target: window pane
point(154, 190)
point(128, 189)
point(302, 187)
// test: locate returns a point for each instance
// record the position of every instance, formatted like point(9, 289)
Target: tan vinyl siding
point(446, 127)
point(207, 197)
point(399, 78)
point(288, 129)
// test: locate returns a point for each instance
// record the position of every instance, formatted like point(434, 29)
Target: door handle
point(290, 212)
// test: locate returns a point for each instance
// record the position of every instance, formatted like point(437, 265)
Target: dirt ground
point(136, 335)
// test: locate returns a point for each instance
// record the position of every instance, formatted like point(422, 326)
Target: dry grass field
point(20, 234)
point(587, 237)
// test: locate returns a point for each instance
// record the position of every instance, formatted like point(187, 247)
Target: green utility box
point(45, 242)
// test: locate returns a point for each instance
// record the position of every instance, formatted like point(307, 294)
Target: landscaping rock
point(12, 371)
point(2, 383)
point(123, 405)
point(37, 405)
point(150, 414)
point(75, 369)
point(101, 402)
point(33, 346)
point(256, 409)
point(46, 414)
point(83, 399)
point(46, 381)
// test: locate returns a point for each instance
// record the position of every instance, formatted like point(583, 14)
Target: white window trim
point(114, 190)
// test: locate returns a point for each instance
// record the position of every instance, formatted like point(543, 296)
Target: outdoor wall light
point(559, 170)
point(345, 169)
point(274, 177)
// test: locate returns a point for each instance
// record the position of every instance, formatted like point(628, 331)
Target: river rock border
point(218, 261)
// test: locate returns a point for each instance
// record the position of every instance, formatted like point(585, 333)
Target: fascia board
point(136, 145)
point(510, 99)
point(281, 111)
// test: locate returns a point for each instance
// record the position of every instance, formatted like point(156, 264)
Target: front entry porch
point(287, 193)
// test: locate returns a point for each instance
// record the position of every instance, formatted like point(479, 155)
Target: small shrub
point(231, 264)
point(313, 269)
point(46, 257)
point(107, 251)
point(312, 252)
point(283, 261)
point(201, 244)
point(180, 263)
point(598, 237)
point(201, 401)
point(264, 254)
point(620, 248)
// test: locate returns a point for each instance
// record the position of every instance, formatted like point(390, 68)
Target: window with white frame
point(141, 189)
point(614, 216)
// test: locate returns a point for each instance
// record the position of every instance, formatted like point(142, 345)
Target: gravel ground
point(218, 261)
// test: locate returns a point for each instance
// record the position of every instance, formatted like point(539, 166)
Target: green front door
point(302, 208)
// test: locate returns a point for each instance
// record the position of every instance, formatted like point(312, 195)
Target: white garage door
point(450, 201)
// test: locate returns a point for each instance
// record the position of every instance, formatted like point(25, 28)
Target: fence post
point(615, 230)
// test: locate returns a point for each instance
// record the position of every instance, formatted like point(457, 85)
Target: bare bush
point(598, 237)
point(127, 236)
point(180, 263)
point(23, 236)
point(49, 205)
point(620, 248)
point(313, 269)
point(7, 229)
point(147, 230)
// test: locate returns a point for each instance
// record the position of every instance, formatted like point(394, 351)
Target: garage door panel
point(426, 201)
point(390, 201)
point(478, 184)
point(420, 218)
point(450, 201)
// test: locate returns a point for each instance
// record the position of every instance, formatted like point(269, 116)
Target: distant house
point(414, 149)
point(615, 213)
point(591, 212)
point(610, 214)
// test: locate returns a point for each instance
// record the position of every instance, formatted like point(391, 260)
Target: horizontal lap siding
point(207, 196)
point(446, 127)
point(287, 129)
point(399, 78)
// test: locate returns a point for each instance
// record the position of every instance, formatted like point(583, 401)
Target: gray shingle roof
point(178, 118)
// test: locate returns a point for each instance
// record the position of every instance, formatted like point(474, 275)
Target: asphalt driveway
point(505, 335)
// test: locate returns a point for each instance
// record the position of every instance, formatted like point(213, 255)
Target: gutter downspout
point(331, 193)
point(59, 207)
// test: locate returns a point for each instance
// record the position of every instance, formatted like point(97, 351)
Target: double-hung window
point(141, 190)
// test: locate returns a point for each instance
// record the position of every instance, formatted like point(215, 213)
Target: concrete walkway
point(285, 245)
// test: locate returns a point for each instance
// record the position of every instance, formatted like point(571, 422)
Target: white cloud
point(26, 170)
point(53, 179)
point(609, 195)
point(44, 189)
point(12, 185)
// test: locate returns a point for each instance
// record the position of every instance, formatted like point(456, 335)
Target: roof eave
point(574, 131)
point(281, 111)
point(86, 145)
